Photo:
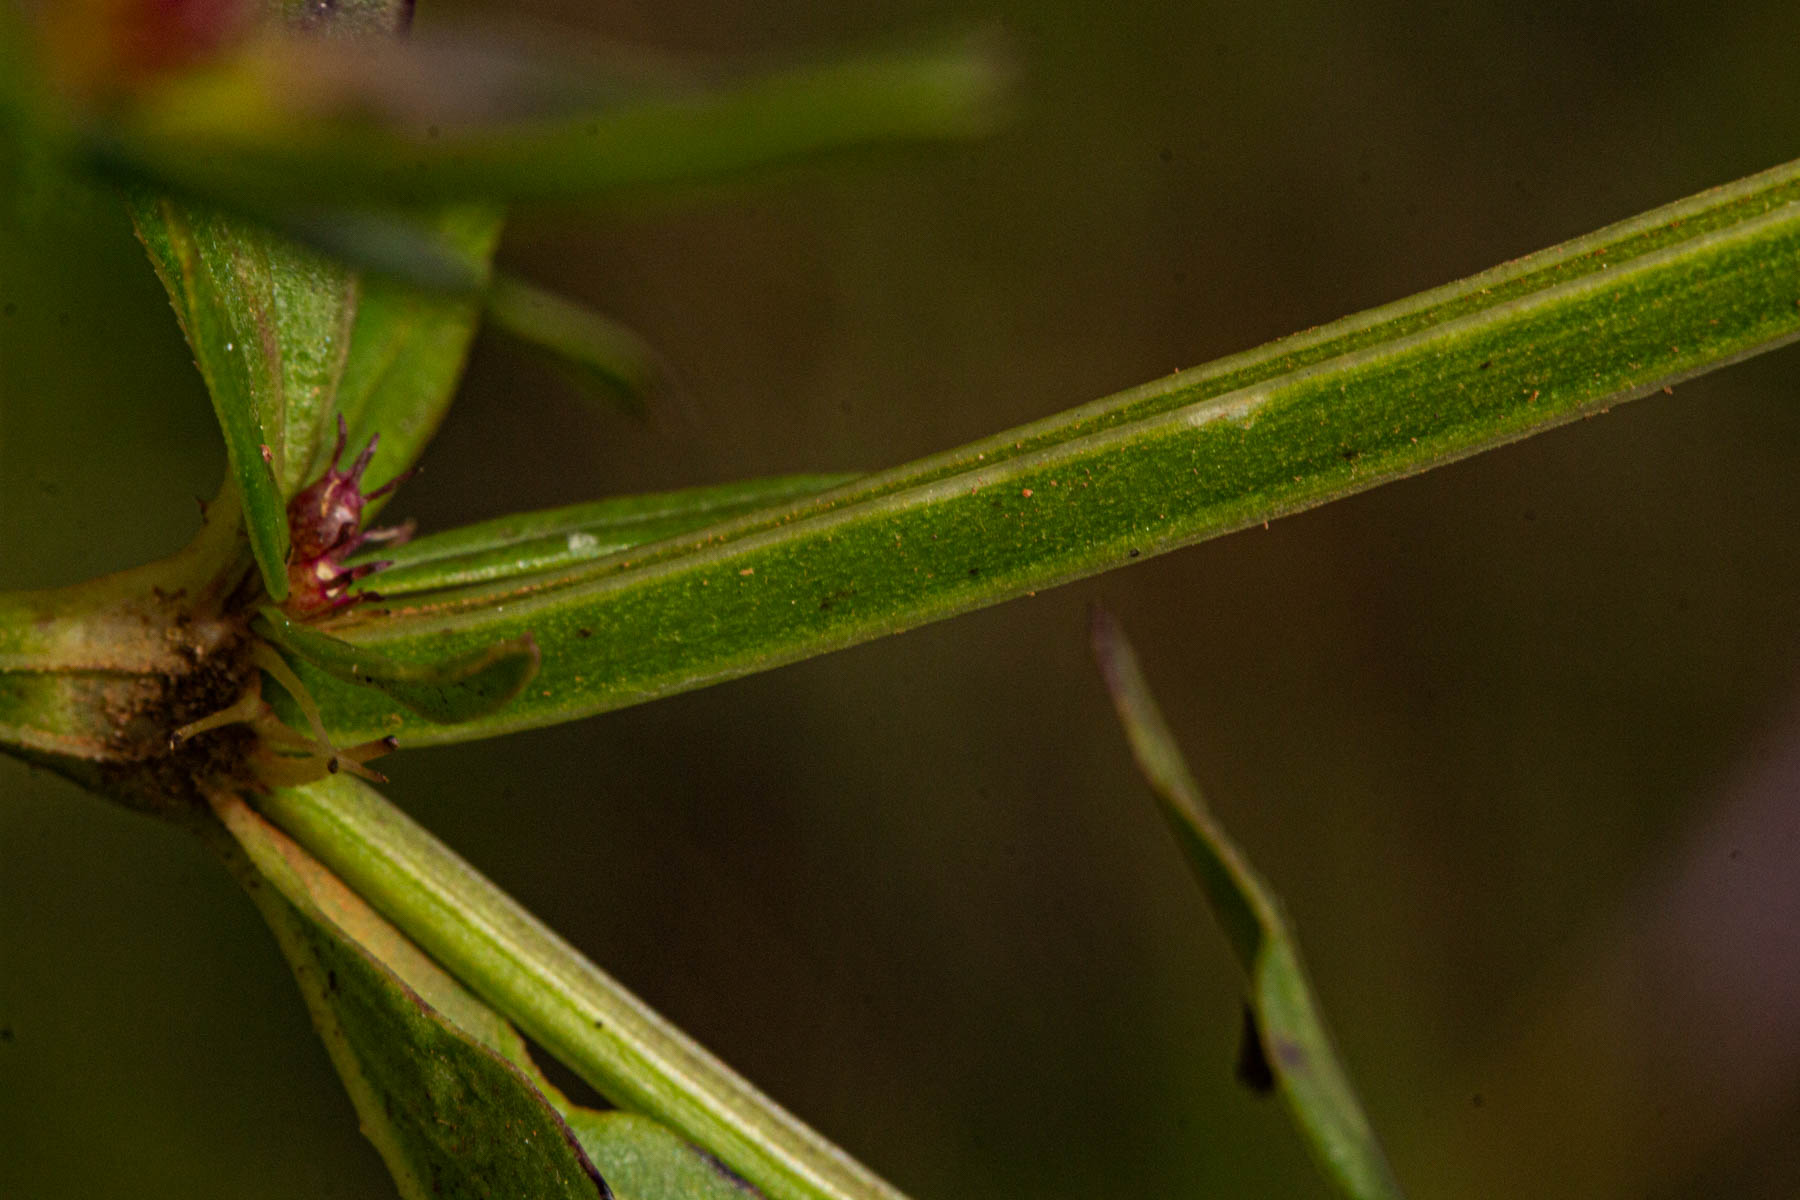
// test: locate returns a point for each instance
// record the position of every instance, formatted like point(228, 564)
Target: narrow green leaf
point(450, 689)
point(643, 1160)
point(557, 997)
point(1292, 1034)
point(557, 538)
point(1520, 349)
point(1293, 1041)
point(598, 351)
point(252, 132)
point(448, 1106)
point(230, 322)
point(269, 323)
point(408, 345)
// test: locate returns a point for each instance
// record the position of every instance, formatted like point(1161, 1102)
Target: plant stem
point(556, 996)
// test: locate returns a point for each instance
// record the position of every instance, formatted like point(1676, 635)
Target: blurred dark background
point(1518, 740)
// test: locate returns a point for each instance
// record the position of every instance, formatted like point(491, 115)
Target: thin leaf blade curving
point(1289, 1031)
point(598, 353)
point(408, 346)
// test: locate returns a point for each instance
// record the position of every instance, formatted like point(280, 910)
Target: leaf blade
point(1565, 333)
point(643, 1160)
point(241, 380)
point(408, 346)
point(452, 1112)
point(586, 1019)
point(594, 350)
point(237, 133)
point(558, 538)
point(1296, 1046)
point(449, 690)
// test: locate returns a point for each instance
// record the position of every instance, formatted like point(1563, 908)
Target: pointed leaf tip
point(1285, 1040)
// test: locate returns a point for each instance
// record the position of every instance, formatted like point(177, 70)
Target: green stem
point(557, 997)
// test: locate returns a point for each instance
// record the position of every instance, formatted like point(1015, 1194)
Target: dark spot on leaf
point(1349, 454)
point(331, 983)
point(6, 1034)
point(1134, 552)
point(1484, 366)
point(1253, 1070)
point(974, 571)
point(1477, 1100)
point(584, 633)
point(1531, 514)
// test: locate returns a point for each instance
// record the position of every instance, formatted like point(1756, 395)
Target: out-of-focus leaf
point(559, 999)
point(553, 539)
point(297, 123)
point(599, 352)
point(408, 345)
point(643, 1160)
point(1335, 410)
point(442, 1085)
point(458, 688)
point(1294, 1043)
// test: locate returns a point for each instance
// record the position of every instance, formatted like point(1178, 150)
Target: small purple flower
point(325, 528)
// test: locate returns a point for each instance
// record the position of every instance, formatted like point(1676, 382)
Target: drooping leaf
point(1522, 348)
point(643, 1160)
point(297, 123)
point(596, 351)
point(553, 539)
point(458, 688)
point(555, 996)
point(442, 1086)
point(1295, 1048)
